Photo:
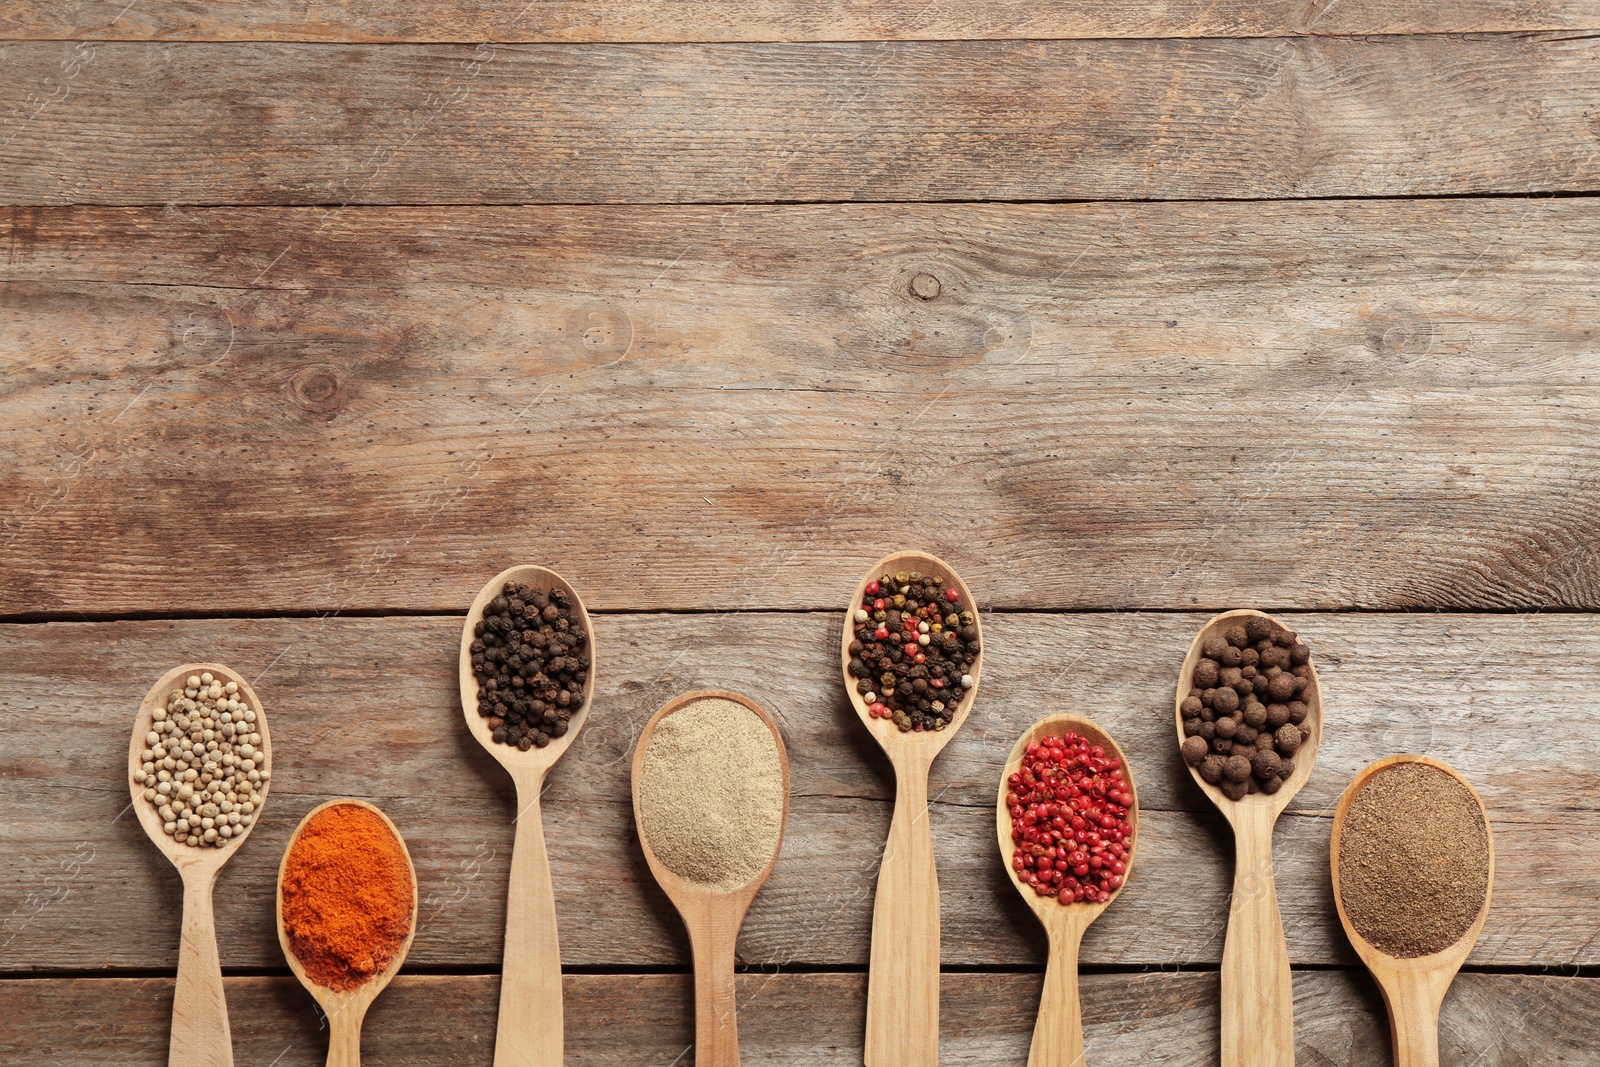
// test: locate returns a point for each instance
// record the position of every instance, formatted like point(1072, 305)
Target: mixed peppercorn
point(915, 644)
point(1244, 720)
point(1069, 804)
point(530, 659)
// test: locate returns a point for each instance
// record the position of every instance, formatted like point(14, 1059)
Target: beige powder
point(711, 793)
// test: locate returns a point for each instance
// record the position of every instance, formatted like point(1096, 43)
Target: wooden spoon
point(529, 1032)
point(200, 1034)
point(711, 915)
point(903, 974)
point(345, 1008)
point(1257, 995)
point(1413, 988)
point(1058, 1034)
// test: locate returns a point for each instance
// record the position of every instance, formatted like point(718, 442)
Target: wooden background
point(316, 314)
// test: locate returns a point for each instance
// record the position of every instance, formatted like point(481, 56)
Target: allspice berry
point(1241, 722)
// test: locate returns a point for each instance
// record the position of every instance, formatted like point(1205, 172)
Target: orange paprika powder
point(348, 896)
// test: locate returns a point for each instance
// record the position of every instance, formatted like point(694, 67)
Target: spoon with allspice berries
point(1249, 721)
point(911, 656)
point(527, 678)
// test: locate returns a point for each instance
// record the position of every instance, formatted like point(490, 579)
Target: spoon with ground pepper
point(531, 972)
point(200, 1032)
point(903, 974)
point(1257, 994)
point(346, 1008)
point(699, 839)
point(1058, 1033)
point(1416, 968)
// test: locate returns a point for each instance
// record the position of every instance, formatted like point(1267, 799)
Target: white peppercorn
point(203, 770)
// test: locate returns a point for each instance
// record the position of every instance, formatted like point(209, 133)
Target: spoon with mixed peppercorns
point(527, 677)
point(1249, 719)
point(911, 655)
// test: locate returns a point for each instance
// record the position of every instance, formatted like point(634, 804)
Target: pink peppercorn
point(1069, 806)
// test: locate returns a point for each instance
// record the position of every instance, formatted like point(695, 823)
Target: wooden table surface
point(315, 314)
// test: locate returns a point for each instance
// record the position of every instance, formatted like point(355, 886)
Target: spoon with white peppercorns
point(527, 677)
point(199, 766)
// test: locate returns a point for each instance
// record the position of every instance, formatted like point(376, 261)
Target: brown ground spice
point(1413, 860)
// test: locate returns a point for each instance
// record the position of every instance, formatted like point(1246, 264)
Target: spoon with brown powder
point(710, 798)
point(1413, 871)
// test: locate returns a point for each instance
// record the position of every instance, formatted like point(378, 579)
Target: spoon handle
point(529, 1031)
point(1058, 1035)
point(200, 1035)
point(1414, 1002)
point(903, 976)
point(344, 1036)
point(1257, 994)
point(716, 1030)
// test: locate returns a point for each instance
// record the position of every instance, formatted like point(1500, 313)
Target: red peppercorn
point(952, 595)
point(881, 633)
point(1069, 809)
point(877, 605)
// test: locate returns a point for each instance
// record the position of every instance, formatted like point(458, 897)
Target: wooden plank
point(273, 123)
point(572, 21)
point(367, 707)
point(1381, 405)
point(1489, 1020)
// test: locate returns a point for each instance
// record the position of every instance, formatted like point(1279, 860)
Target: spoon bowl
point(884, 731)
point(712, 915)
point(903, 973)
point(511, 757)
point(345, 1008)
point(200, 1031)
point(1257, 996)
point(1413, 988)
point(1058, 1034)
point(531, 973)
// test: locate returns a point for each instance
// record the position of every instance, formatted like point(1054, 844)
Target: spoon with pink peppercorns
point(1067, 816)
point(911, 657)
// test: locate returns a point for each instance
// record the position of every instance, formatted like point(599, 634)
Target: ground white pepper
point(203, 769)
point(711, 794)
point(1413, 860)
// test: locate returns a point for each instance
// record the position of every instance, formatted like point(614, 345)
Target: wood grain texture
point(367, 708)
point(270, 123)
point(1489, 1020)
point(579, 21)
point(1380, 405)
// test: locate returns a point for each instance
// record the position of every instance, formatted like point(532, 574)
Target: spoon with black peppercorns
point(911, 656)
point(527, 677)
point(1249, 718)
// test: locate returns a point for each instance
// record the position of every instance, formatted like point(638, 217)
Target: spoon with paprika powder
point(347, 911)
point(903, 971)
point(1058, 1033)
point(1257, 994)
point(531, 971)
point(200, 1033)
